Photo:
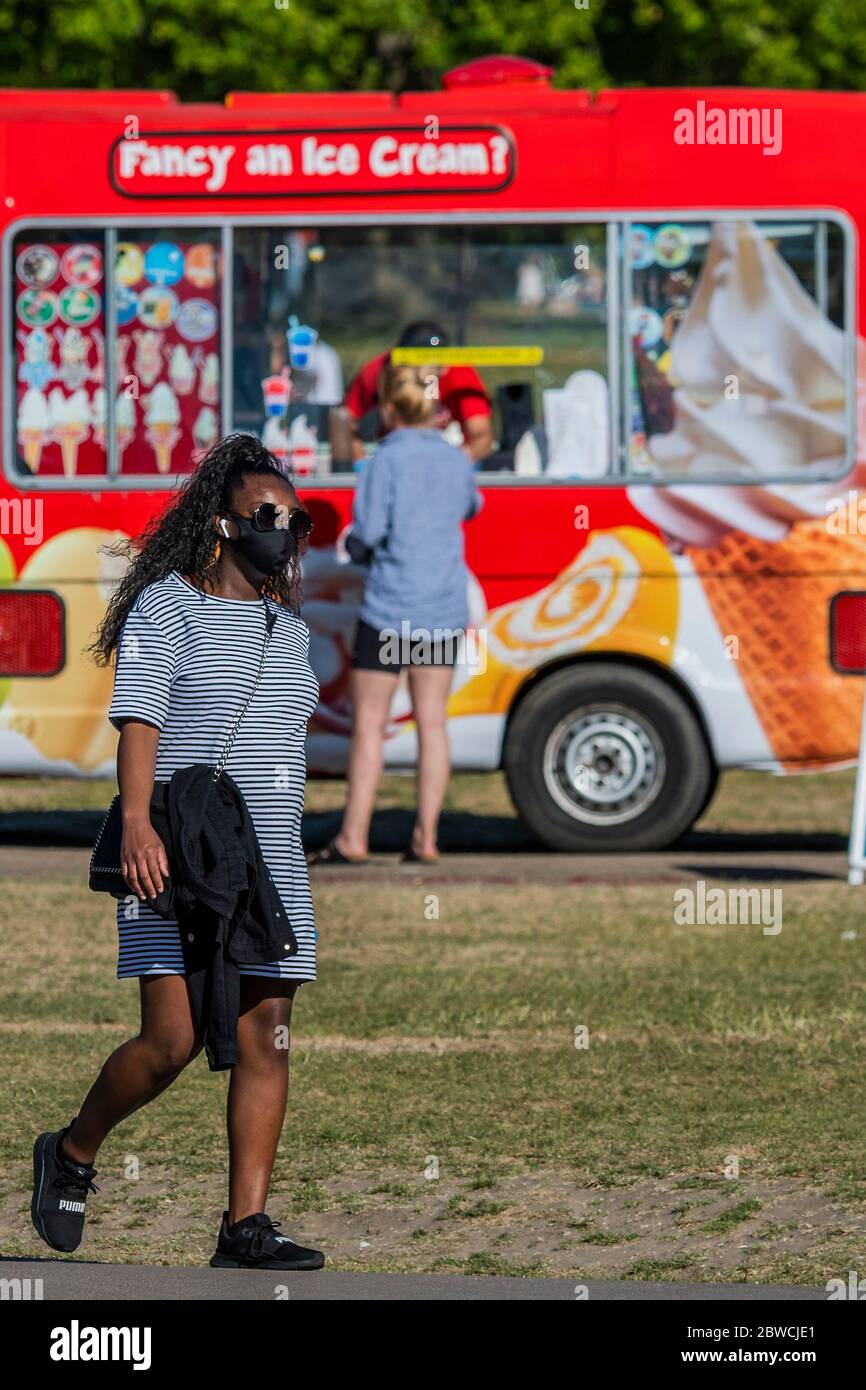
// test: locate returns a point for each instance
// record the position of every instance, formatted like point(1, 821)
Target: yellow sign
point(468, 356)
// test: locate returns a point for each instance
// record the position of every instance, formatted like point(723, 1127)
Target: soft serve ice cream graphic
point(205, 428)
point(759, 395)
point(181, 369)
point(98, 415)
point(33, 427)
point(162, 414)
point(209, 380)
point(70, 425)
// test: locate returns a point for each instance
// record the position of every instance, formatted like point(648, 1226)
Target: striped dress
point(186, 662)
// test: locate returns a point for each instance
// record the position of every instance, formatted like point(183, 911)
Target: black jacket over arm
point(223, 897)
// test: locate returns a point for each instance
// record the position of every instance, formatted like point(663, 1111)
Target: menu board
point(167, 295)
point(60, 357)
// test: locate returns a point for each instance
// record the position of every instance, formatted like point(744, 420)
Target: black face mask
point(266, 551)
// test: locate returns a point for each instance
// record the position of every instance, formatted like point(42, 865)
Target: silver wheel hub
point(603, 765)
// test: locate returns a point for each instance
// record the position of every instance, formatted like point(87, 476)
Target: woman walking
point(412, 498)
point(210, 654)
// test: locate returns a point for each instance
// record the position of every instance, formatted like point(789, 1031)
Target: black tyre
point(606, 757)
point(712, 788)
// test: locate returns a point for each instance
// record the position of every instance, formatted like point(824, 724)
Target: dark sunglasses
point(270, 516)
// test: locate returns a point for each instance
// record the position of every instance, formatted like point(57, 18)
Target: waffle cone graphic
point(32, 442)
point(774, 598)
point(163, 437)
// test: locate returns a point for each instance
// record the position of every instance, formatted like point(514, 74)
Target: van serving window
point(668, 350)
point(521, 313)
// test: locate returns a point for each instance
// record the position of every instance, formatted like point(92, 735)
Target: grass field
point(442, 1116)
point(746, 802)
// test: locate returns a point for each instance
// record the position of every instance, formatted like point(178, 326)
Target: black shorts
point(379, 651)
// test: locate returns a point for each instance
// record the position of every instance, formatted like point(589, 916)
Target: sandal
point(334, 856)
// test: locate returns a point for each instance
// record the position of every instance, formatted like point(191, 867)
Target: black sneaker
point(60, 1188)
point(253, 1243)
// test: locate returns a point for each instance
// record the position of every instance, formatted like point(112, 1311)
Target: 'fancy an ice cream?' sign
point(286, 163)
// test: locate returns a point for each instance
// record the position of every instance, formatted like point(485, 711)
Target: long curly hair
point(182, 537)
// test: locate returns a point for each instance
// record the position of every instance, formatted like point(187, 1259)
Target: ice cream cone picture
point(181, 369)
point(162, 414)
point(33, 427)
point(97, 374)
point(209, 380)
point(36, 367)
point(74, 357)
point(205, 429)
point(147, 363)
point(163, 437)
point(122, 344)
point(63, 717)
point(70, 425)
point(620, 593)
point(98, 415)
point(124, 422)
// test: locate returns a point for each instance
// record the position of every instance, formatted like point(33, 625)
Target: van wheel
point(712, 788)
point(606, 757)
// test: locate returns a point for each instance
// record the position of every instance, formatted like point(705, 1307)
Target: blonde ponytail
point(405, 389)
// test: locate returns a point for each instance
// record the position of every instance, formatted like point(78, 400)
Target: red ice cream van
point(645, 313)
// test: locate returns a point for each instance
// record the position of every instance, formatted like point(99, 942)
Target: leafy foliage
point(202, 49)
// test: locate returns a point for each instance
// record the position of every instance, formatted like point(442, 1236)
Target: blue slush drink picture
point(302, 340)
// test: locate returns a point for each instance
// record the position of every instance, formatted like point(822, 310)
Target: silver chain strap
point(232, 734)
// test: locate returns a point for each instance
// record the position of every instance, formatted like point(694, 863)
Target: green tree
point(202, 49)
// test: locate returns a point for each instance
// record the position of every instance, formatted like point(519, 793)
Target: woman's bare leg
point(372, 692)
point(140, 1068)
point(258, 1090)
point(429, 686)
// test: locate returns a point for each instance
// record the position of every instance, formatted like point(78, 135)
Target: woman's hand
point(143, 858)
point(142, 854)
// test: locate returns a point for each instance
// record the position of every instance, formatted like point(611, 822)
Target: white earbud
point(224, 527)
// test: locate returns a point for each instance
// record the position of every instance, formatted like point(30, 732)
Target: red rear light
point(848, 633)
point(31, 633)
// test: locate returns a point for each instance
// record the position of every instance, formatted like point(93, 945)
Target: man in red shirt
point(462, 396)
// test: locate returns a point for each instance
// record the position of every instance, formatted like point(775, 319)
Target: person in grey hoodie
point(411, 501)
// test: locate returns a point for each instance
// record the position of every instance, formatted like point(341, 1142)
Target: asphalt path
point(738, 863)
point(85, 1281)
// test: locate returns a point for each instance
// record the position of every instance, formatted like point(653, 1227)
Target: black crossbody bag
point(106, 875)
